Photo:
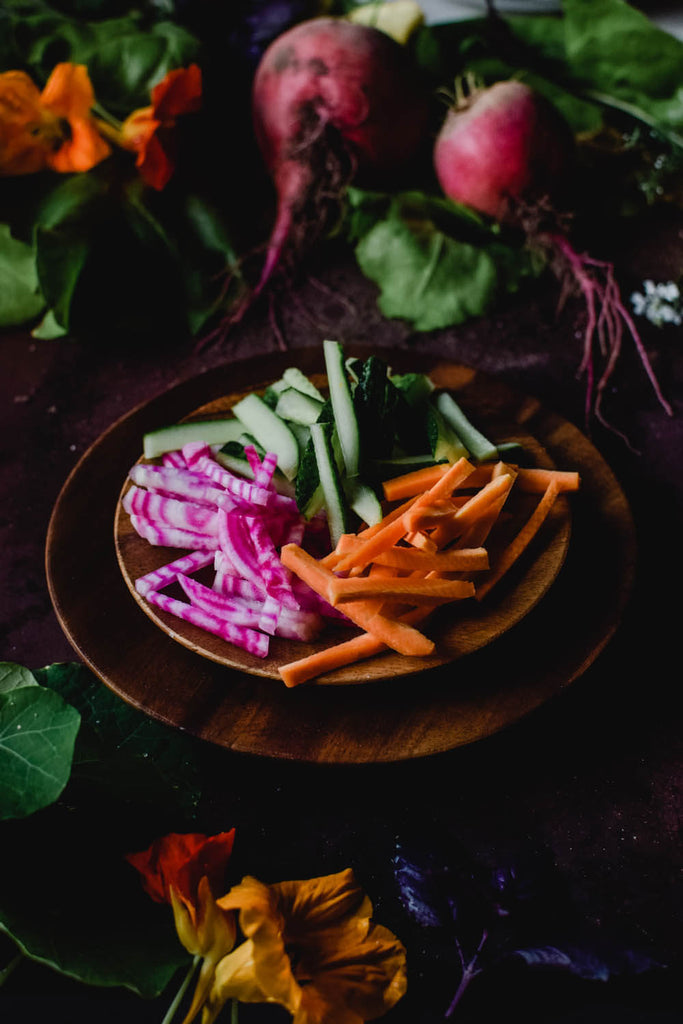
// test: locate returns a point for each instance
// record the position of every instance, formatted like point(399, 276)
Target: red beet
point(332, 101)
point(503, 145)
point(507, 152)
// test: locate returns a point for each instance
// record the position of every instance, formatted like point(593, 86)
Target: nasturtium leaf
point(13, 676)
point(37, 733)
point(132, 780)
point(135, 759)
point(74, 904)
point(132, 57)
point(20, 296)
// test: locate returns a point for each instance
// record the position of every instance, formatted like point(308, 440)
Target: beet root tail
point(607, 322)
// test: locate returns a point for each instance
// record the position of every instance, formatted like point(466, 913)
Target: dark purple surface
point(595, 776)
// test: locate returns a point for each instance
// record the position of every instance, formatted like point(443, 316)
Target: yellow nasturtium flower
point(312, 947)
point(53, 129)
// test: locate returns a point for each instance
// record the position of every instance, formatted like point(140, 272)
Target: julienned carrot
point(412, 589)
point(521, 541)
point(388, 535)
point(536, 481)
point(469, 559)
point(409, 484)
point(473, 510)
point(345, 653)
point(331, 560)
point(531, 480)
point(398, 635)
point(365, 645)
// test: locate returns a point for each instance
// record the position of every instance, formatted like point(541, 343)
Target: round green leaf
point(37, 733)
point(20, 298)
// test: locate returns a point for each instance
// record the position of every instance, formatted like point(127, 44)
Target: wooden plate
point(462, 628)
point(449, 705)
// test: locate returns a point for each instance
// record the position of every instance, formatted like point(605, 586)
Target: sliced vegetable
point(330, 481)
point(295, 378)
point(343, 409)
point(479, 446)
point(298, 407)
point(173, 438)
point(270, 431)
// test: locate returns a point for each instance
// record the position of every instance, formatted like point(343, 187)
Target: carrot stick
point(345, 653)
point(405, 588)
point(535, 481)
point(416, 482)
point(388, 535)
point(398, 635)
point(521, 541)
point(477, 506)
point(421, 540)
point(454, 560)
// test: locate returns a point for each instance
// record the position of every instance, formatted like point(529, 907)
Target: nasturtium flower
point(312, 947)
point(49, 129)
point(186, 871)
point(149, 131)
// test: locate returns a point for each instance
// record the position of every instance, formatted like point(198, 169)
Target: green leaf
point(66, 220)
point(20, 298)
point(435, 268)
point(132, 780)
point(48, 329)
point(615, 49)
point(136, 759)
point(13, 676)
point(75, 905)
point(37, 734)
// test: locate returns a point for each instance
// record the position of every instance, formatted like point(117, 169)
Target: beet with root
point(333, 101)
point(507, 152)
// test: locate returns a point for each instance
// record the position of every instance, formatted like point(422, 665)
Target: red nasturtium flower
point(187, 870)
point(149, 130)
point(49, 129)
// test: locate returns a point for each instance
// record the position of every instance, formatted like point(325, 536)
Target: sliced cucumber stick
point(271, 432)
point(169, 439)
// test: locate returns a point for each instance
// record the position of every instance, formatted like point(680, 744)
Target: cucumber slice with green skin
point(364, 502)
point(293, 377)
point(479, 446)
point(342, 406)
point(330, 481)
point(445, 444)
point(271, 432)
point(172, 438)
point(299, 408)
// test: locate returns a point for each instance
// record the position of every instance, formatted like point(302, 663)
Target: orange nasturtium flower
point(149, 130)
point(312, 947)
point(186, 870)
point(49, 129)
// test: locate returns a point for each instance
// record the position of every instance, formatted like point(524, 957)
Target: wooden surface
point(458, 630)
point(384, 721)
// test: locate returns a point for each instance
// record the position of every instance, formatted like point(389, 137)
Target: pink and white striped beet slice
point(187, 515)
point(180, 483)
point(171, 536)
point(251, 640)
point(167, 574)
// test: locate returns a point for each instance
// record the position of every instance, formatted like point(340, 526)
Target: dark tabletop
point(593, 777)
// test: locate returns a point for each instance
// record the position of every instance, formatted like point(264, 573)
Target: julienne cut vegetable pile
point(368, 508)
